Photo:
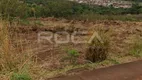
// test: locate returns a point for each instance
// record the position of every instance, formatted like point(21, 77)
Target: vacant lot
point(124, 43)
point(53, 59)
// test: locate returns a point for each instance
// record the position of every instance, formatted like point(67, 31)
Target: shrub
point(98, 50)
point(12, 8)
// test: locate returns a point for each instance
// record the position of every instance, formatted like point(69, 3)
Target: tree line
point(58, 8)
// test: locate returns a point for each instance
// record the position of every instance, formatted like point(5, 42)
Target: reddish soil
point(128, 71)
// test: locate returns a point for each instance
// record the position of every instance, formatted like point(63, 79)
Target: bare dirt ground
point(122, 36)
point(129, 71)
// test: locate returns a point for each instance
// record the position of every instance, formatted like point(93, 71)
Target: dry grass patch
point(16, 63)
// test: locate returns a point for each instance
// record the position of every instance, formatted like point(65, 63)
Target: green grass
point(72, 56)
point(137, 49)
point(20, 76)
point(94, 17)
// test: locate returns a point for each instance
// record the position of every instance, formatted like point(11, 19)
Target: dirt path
point(128, 71)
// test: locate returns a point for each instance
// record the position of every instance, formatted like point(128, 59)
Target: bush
point(12, 8)
point(98, 50)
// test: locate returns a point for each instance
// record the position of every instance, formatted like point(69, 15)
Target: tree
point(12, 8)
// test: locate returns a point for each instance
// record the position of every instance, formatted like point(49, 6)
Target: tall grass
point(12, 60)
point(5, 54)
point(136, 49)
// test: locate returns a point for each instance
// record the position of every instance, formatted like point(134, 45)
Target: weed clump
point(136, 49)
point(98, 49)
point(20, 76)
point(72, 56)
